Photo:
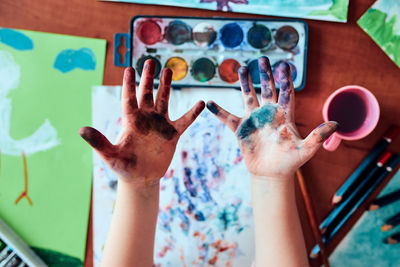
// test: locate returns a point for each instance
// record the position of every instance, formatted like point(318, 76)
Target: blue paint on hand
point(69, 59)
point(16, 39)
point(257, 120)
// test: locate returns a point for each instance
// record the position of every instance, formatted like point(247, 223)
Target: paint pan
point(228, 70)
point(287, 37)
point(140, 64)
point(178, 66)
point(149, 32)
point(204, 34)
point(178, 32)
point(203, 69)
point(207, 52)
point(231, 35)
point(259, 36)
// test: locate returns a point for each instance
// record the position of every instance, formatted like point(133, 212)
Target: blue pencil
point(393, 161)
point(366, 165)
point(343, 207)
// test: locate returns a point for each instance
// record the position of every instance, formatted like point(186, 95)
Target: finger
point(268, 90)
point(129, 103)
point(146, 85)
point(286, 92)
point(97, 141)
point(229, 119)
point(164, 89)
point(314, 140)
point(249, 94)
point(184, 122)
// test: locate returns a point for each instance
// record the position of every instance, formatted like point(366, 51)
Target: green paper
point(53, 91)
point(382, 23)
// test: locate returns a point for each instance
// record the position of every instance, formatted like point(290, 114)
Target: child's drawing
point(44, 138)
point(382, 23)
point(332, 10)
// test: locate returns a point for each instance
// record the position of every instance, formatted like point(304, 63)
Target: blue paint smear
point(69, 59)
point(231, 35)
point(16, 39)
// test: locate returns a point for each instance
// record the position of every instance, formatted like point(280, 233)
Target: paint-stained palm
point(147, 142)
point(268, 138)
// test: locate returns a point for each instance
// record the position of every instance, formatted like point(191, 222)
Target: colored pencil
point(385, 200)
point(356, 177)
point(393, 239)
point(345, 206)
point(312, 218)
point(393, 161)
point(391, 222)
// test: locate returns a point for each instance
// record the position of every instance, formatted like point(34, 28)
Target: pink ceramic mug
point(355, 109)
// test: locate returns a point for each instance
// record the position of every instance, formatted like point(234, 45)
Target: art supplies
point(391, 222)
point(391, 164)
point(14, 251)
point(331, 10)
point(205, 214)
point(312, 218)
point(207, 52)
point(393, 239)
point(355, 109)
point(341, 210)
point(385, 200)
point(361, 171)
point(45, 177)
point(362, 245)
point(382, 23)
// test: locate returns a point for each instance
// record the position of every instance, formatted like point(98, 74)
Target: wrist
point(279, 179)
point(141, 187)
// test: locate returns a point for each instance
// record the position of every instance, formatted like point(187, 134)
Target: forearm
point(130, 240)
point(278, 235)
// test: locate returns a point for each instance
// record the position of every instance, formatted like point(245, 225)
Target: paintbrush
point(312, 218)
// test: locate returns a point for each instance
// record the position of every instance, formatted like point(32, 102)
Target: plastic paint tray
point(207, 52)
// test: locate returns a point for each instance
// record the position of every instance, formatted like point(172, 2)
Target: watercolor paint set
point(14, 252)
point(207, 52)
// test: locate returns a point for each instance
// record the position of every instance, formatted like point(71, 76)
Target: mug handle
point(332, 142)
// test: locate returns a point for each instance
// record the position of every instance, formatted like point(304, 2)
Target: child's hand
point(268, 138)
point(147, 143)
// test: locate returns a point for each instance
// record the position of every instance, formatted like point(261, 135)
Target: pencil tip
point(336, 199)
point(373, 207)
point(390, 240)
point(386, 227)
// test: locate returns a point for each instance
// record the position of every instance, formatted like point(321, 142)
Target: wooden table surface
point(339, 54)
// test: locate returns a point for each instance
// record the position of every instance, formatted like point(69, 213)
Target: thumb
point(97, 141)
point(315, 139)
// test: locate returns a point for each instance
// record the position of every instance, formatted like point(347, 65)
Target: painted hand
point(148, 139)
point(268, 138)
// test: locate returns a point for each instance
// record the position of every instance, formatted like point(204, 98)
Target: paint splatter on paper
point(205, 216)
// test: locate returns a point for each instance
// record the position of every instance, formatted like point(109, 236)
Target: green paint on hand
point(382, 31)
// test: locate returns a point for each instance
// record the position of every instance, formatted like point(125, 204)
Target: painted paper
point(205, 216)
point(331, 10)
point(363, 245)
point(45, 167)
point(382, 23)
